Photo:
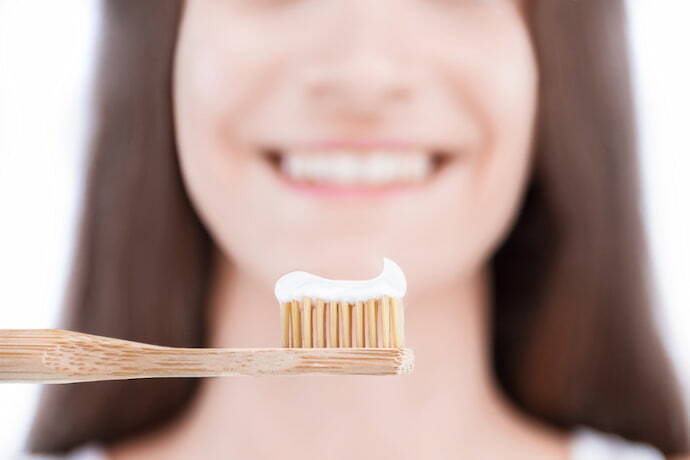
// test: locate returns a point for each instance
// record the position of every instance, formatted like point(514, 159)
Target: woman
point(528, 302)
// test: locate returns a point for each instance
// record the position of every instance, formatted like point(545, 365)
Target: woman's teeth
point(357, 169)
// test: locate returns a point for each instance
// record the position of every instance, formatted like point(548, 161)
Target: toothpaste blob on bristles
point(390, 282)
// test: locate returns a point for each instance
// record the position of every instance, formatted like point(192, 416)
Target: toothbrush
point(307, 304)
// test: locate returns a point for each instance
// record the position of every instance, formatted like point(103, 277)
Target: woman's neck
point(450, 403)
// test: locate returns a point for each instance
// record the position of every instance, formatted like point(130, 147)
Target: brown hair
point(574, 338)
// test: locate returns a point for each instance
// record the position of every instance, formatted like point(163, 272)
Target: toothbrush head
point(319, 312)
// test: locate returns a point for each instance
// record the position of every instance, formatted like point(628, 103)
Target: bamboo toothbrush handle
point(59, 356)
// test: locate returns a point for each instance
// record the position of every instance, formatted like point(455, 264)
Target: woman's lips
point(351, 172)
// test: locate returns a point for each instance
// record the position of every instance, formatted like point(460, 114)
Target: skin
point(252, 73)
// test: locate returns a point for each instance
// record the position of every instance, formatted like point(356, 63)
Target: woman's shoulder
point(590, 444)
point(87, 452)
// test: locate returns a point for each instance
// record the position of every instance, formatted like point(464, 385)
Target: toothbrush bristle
point(318, 323)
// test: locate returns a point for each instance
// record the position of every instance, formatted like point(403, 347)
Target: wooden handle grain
point(59, 356)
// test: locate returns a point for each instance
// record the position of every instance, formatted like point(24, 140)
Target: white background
point(46, 50)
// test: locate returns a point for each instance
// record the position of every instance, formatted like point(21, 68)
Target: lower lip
point(343, 191)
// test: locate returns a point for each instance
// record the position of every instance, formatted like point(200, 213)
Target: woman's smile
point(356, 168)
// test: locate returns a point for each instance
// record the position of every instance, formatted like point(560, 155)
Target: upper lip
point(362, 144)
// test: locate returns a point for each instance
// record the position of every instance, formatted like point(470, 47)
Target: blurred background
point(46, 56)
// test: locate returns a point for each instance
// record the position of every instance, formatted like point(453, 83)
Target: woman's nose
point(364, 70)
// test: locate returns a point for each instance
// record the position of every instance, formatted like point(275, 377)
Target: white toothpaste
point(295, 285)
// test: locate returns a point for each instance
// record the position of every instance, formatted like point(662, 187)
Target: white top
point(586, 444)
point(87, 452)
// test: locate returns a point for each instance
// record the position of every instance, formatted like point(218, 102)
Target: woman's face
point(322, 135)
